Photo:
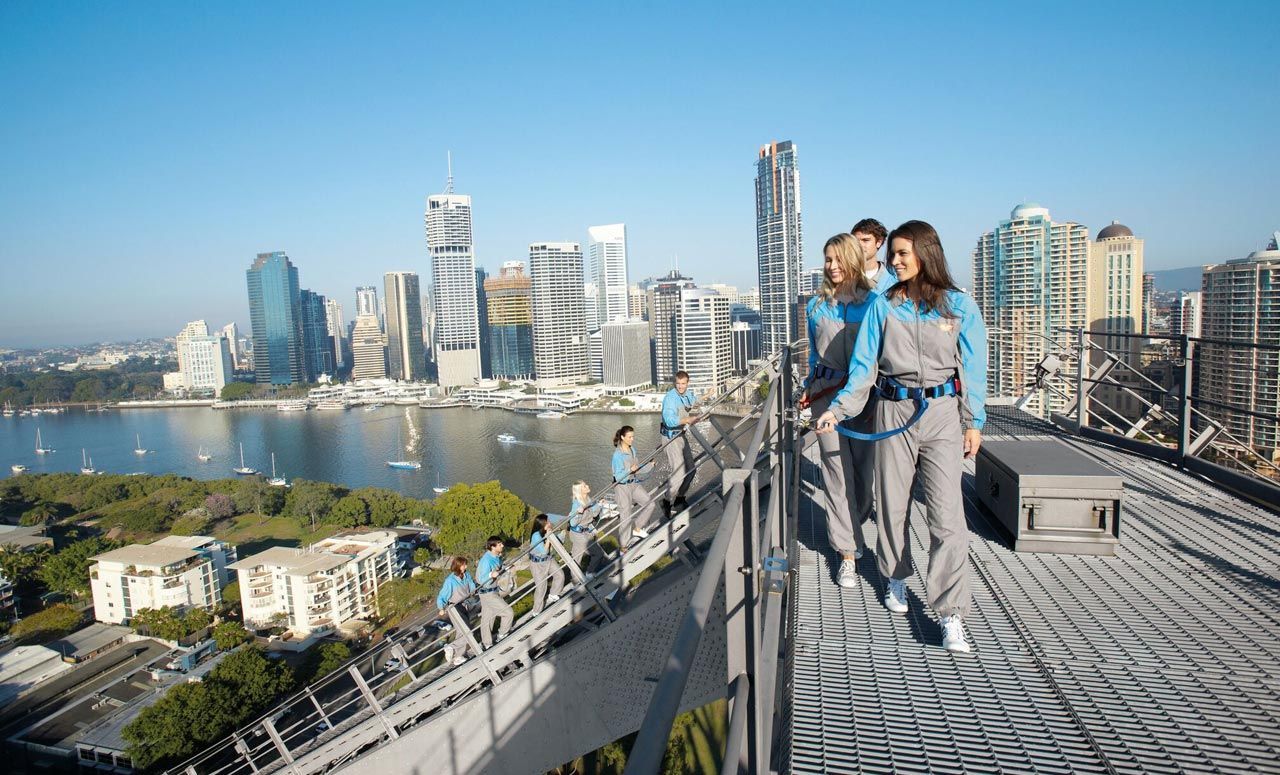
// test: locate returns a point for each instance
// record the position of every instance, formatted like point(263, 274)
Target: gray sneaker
point(895, 597)
point(848, 575)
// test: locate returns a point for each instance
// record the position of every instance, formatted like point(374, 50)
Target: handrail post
point(1082, 416)
point(1184, 413)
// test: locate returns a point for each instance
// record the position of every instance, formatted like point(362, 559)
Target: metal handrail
point(276, 744)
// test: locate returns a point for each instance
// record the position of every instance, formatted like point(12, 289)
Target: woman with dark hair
point(543, 565)
point(457, 587)
point(922, 349)
point(847, 475)
point(629, 493)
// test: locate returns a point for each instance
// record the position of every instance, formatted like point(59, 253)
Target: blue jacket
point(580, 513)
point(486, 571)
point(622, 462)
point(919, 349)
point(455, 586)
point(672, 403)
point(824, 343)
point(538, 546)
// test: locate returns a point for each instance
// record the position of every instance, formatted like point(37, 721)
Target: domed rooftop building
point(1028, 210)
point(1116, 229)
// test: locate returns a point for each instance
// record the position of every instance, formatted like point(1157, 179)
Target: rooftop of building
point(185, 542)
point(293, 561)
point(1114, 230)
point(157, 555)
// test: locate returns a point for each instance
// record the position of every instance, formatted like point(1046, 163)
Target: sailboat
point(86, 463)
point(244, 470)
point(438, 489)
point(276, 481)
point(41, 449)
point(139, 449)
point(202, 456)
point(403, 465)
point(8, 409)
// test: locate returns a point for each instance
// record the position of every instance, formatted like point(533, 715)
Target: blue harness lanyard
point(891, 390)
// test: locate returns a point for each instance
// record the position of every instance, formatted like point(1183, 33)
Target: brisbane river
point(348, 447)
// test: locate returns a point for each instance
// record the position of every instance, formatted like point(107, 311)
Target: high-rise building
point(663, 301)
point(559, 325)
point(276, 316)
point(367, 301)
point(778, 242)
point(607, 254)
point(510, 321)
point(337, 334)
point(746, 345)
point(591, 306)
point(627, 354)
point(810, 281)
point(1030, 280)
point(704, 342)
point(317, 345)
point(192, 329)
point(1241, 304)
point(750, 299)
point(1148, 302)
point(368, 349)
point(456, 333)
point(1115, 290)
point(595, 355)
point(232, 332)
point(730, 292)
point(204, 361)
point(406, 359)
point(1185, 317)
point(482, 309)
point(637, 302)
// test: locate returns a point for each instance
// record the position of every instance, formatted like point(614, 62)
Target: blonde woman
point(583, 513)
point(847, 465)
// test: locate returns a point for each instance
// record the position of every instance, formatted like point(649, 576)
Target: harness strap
point(890, 389)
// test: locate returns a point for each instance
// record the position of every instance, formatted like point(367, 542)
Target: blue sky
point(149, 150)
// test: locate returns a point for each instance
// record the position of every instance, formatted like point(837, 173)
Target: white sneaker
point(638, 533)
point(953, 634)
point(460, 659)
point(895, 597)
point(848, 575)
point(448, 652)
point(552, 598)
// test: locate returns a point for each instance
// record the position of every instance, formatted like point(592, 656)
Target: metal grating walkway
point(1164, 658)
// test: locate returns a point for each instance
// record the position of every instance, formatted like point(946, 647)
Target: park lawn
point(251, 533)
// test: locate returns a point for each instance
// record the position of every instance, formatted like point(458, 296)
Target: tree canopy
point(469, 514)
point(68, 570)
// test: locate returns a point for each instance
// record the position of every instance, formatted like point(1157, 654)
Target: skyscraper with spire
point(778, 242)
point(453, 278)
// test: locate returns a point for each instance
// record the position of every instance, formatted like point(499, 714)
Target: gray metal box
point(1050, 497)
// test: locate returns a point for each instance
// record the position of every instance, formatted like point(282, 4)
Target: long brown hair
point(458, 566)
point(934, 279)
point(623, 431)
point(848, 253)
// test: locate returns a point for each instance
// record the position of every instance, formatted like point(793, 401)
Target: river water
point(347, 447)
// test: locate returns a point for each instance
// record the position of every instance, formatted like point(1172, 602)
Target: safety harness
point(891, 389)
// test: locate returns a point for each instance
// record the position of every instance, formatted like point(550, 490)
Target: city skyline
point(102, 173)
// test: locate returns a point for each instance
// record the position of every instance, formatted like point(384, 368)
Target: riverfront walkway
point(1163, 658)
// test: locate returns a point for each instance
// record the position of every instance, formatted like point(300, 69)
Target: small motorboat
point(404, 465)
point(506, 438)
point(18, 468)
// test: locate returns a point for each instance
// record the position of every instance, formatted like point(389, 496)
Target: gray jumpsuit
point(922, 349)
point(847, 464)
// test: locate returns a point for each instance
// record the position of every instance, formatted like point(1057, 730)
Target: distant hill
point(1185, 279)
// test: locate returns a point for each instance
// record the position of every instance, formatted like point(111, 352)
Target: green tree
point(88, 390)
point(399, 597)
point(253, 494)
point(68, 570)
point(191, 716)
point(311, 500)
point(237, 391)
point(422, 556)
point(23, 568)
point(53, 622)
point(163, 623)
point(469, 514)
point(231, 593)
point(228, 635)
point(349, 511)
point(196, 619)
point(326, 658)
point(39, 514)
